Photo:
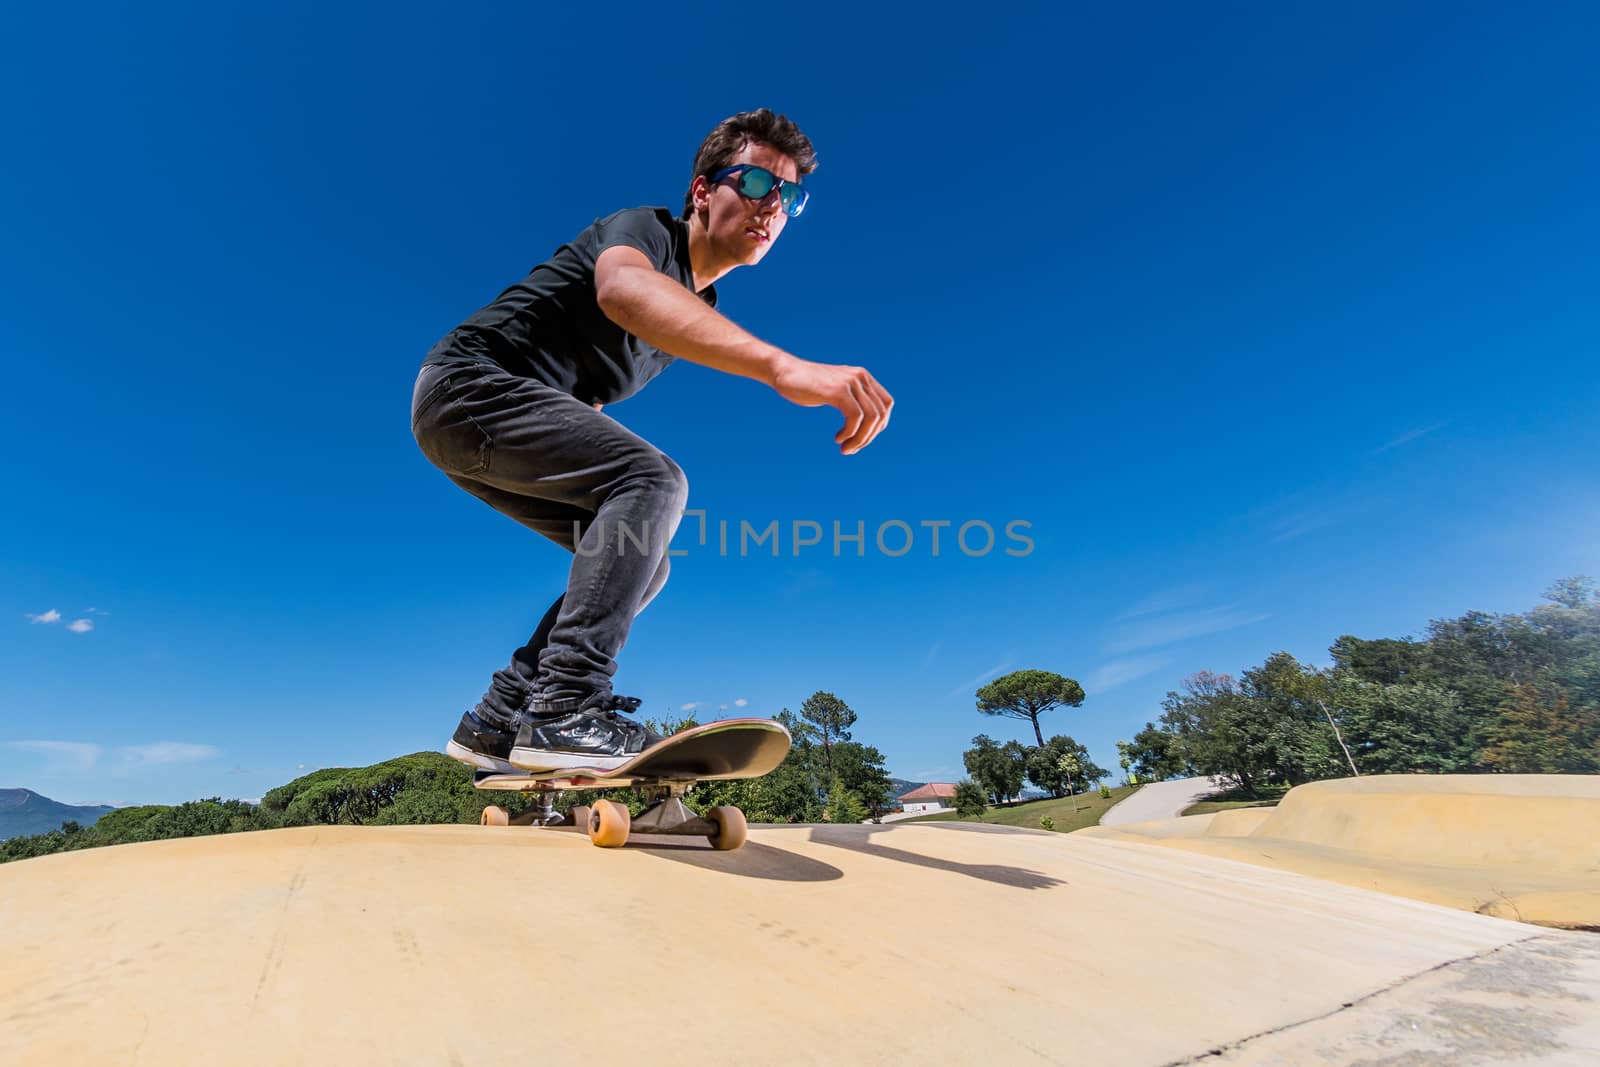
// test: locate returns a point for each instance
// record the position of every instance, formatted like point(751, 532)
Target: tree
point(1043, 764)
point(1125, 759)
point(843, 805)
point(1029, 694)
point(833, 719)
point(1071, 768)
point(1298, 743)
point(1541, 733)
point(861, 769)
point(1385, 661)
point(1000, 769)
point(969, 798)
point(1155, 754)
point(1215, 730)
point(1574, 594)
point(1401, 729)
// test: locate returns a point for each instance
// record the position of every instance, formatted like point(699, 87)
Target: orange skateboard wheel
point(608, 824)
point(732, 831)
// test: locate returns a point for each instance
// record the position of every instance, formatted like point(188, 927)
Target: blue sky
point(1274, 325)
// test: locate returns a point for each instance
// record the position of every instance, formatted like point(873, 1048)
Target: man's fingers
point(854, 415)
point(866, 406)
point(872, 416)
point(881, 404)
point(884, 399)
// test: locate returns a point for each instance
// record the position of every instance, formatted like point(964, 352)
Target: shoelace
point(611, 704)
point(610, 708)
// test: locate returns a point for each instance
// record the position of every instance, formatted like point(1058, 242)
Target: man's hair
point(733, 133)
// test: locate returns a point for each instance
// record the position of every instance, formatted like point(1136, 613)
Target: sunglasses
point(756, 182)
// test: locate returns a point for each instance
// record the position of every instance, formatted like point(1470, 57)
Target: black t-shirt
point(549, 326)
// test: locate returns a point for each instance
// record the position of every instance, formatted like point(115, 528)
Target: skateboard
point(732, 748)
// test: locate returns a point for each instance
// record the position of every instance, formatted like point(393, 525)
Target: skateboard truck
point(668, 814)
point(542, 814)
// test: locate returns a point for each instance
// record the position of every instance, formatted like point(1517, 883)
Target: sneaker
point(556, 735)
point(483, 744)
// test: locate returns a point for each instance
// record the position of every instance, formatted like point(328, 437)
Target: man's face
point(733, 223)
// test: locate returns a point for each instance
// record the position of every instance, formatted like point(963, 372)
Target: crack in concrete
point(1464, 1031)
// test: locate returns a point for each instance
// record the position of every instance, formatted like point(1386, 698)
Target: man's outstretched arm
point(662, 313)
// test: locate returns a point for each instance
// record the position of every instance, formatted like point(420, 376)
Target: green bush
point(1047, 823)
point(970, 799)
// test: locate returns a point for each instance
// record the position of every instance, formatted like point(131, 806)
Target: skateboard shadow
point(852, 838)
point(753, 860)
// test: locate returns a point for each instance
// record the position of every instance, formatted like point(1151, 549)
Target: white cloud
point(1165, 600)
point(50, 616)
point(80, 626)
point(84, 756)
point(71, 755)
point(933, 652)
point(1180, 626)
point(693, 705)
point(1407, 437)
point(741, 703)
point(166, 753)
point(1114, 673)
point(1310, 509)
point(971, 684)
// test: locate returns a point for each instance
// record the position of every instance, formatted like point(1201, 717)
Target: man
point(509, 404)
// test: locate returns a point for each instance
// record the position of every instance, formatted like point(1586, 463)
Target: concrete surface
point(476, 945)
point(1159, 800)
point(1521, 846)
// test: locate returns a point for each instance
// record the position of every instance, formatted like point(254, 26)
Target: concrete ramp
point(1522, 846)
point(828, 945)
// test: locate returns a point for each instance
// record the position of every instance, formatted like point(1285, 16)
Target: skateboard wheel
point(731, 828)
point(579, 815)
point(494, 815)
point(608, 824)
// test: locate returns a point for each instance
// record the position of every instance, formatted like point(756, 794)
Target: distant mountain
point(899, 787)
point(24, 812)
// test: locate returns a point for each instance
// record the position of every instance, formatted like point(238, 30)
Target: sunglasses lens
point(756, 183)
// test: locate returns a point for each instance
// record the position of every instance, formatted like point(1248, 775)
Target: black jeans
point(578, 477)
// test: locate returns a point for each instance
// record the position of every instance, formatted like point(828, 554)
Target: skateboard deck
point(731, 748)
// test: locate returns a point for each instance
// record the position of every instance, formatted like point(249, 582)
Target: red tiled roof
point(931, 791)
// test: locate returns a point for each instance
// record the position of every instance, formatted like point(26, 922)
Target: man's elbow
point(621, 273)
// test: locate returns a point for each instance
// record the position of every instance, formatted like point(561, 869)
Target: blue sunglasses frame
point(792, 195)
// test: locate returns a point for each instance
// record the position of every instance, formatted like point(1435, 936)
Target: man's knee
point(662, 478)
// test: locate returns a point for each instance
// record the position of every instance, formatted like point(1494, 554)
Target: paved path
point(472, 945)
point(1159, 800)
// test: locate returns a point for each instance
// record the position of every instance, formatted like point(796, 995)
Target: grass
point(1267, 797)
point(1091, 806)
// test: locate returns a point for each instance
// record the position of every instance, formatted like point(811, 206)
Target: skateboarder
point(509, 406)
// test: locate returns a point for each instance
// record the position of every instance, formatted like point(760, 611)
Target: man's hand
point(855, 392)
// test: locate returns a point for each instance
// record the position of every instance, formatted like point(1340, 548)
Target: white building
point(935, 796)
